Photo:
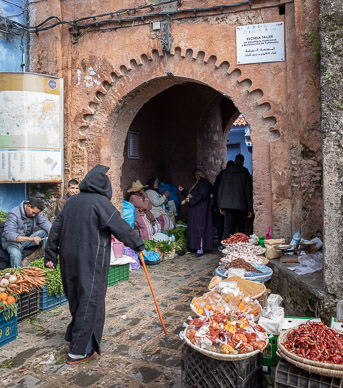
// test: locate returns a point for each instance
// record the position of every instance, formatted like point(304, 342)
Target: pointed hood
point(96, 181)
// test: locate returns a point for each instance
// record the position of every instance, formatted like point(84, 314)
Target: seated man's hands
point(37, 240)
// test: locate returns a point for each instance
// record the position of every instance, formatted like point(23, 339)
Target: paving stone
point(86, 378)
point(140, 337)
point(145, 375)
point(170, 343)
point(26, 382)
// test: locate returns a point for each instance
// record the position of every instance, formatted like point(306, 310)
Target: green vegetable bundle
point(54, 280)
point(164, 246)
point(3, 216)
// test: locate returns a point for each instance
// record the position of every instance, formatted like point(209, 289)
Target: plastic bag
point(130, 252)
point(129, 213)
point(151, 257)
point(308, 264)
point(173, 193)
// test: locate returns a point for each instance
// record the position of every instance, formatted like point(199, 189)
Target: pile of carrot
point(27, 279)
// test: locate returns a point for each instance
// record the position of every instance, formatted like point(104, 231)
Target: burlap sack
point(271, 252)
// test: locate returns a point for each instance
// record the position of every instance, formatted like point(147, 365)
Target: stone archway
point(126, 90)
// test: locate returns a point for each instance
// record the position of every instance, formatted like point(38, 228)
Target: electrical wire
point(79, 23)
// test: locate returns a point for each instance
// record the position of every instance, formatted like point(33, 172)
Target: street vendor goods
point(248, 257)
point(19, 280)
point(8, 306)
point(236, 238)
point(247, 287)
point(242, 248)
point(239, 263)
point(220, 335)
point(229, 301)
point(316, 342)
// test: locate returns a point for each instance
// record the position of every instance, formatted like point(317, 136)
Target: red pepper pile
point(237, 237)
point(317, 342)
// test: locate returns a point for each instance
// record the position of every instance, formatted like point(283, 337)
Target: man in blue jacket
point(19, 229)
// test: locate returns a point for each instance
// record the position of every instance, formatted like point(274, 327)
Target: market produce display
point(236, 238)
point(3, 216)
point(242, 248)
point(317, 342)
point(230, 302)
point(164, 246)
point(53, 280)
point(219, 334)
point(248, 257)
point(18, 280)
point(8, 306)
point(239, 263)
point(247, 287)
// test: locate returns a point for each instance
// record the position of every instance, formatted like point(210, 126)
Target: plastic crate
point(270, 358)
point(49, 302)
point(8, 330)
point(118, 273)
point(198, 370)
point(289, 376)
point(28, 304)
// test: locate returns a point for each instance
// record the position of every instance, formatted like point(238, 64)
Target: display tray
point(221, 356)
point(322, 368)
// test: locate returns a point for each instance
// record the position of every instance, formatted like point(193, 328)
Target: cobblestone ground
point(135, 352)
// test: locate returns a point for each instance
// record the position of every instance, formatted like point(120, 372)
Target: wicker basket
point(257, 296)
point(321, 368)
point(221, 356)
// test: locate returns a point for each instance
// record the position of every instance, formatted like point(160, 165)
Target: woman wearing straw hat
point(147, 223)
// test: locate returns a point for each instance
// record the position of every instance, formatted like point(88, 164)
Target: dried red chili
point(316, 341)
point(237, 237)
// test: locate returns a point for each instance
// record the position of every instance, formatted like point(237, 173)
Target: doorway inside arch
point(184, 127)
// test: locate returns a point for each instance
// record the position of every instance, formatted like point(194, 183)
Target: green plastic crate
point(270, 358)
point(118, 273)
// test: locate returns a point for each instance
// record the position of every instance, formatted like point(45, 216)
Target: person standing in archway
point(235, 197)
point(199, 234)
point(218, 215)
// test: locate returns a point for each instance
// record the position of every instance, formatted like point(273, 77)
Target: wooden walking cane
point(152, 291)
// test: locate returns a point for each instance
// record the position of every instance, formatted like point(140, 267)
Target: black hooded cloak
point(81, 235)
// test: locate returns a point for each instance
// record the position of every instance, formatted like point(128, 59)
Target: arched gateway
point(121, 96)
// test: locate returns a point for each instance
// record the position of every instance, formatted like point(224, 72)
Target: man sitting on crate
point(19, 229)
point(84, 249)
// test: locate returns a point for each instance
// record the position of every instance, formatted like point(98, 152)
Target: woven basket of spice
point(248, 287)
point(313, 347)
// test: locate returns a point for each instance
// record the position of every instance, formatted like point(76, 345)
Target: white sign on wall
point(257, 43)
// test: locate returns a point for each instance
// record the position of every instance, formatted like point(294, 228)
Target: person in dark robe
point(218, 216)
point(81, 236)
point(235, 197)
point(199, 233)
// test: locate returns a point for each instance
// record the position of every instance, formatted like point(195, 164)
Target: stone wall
point(331, 39)
point(110, 72)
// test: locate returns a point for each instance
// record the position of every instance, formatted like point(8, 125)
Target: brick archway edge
point(109, 114)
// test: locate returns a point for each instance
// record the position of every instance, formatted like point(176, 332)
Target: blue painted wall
point(236, 137)
point(12, 48)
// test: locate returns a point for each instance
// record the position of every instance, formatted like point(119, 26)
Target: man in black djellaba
point(81, 236)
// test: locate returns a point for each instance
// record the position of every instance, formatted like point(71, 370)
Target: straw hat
point(136, 186)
